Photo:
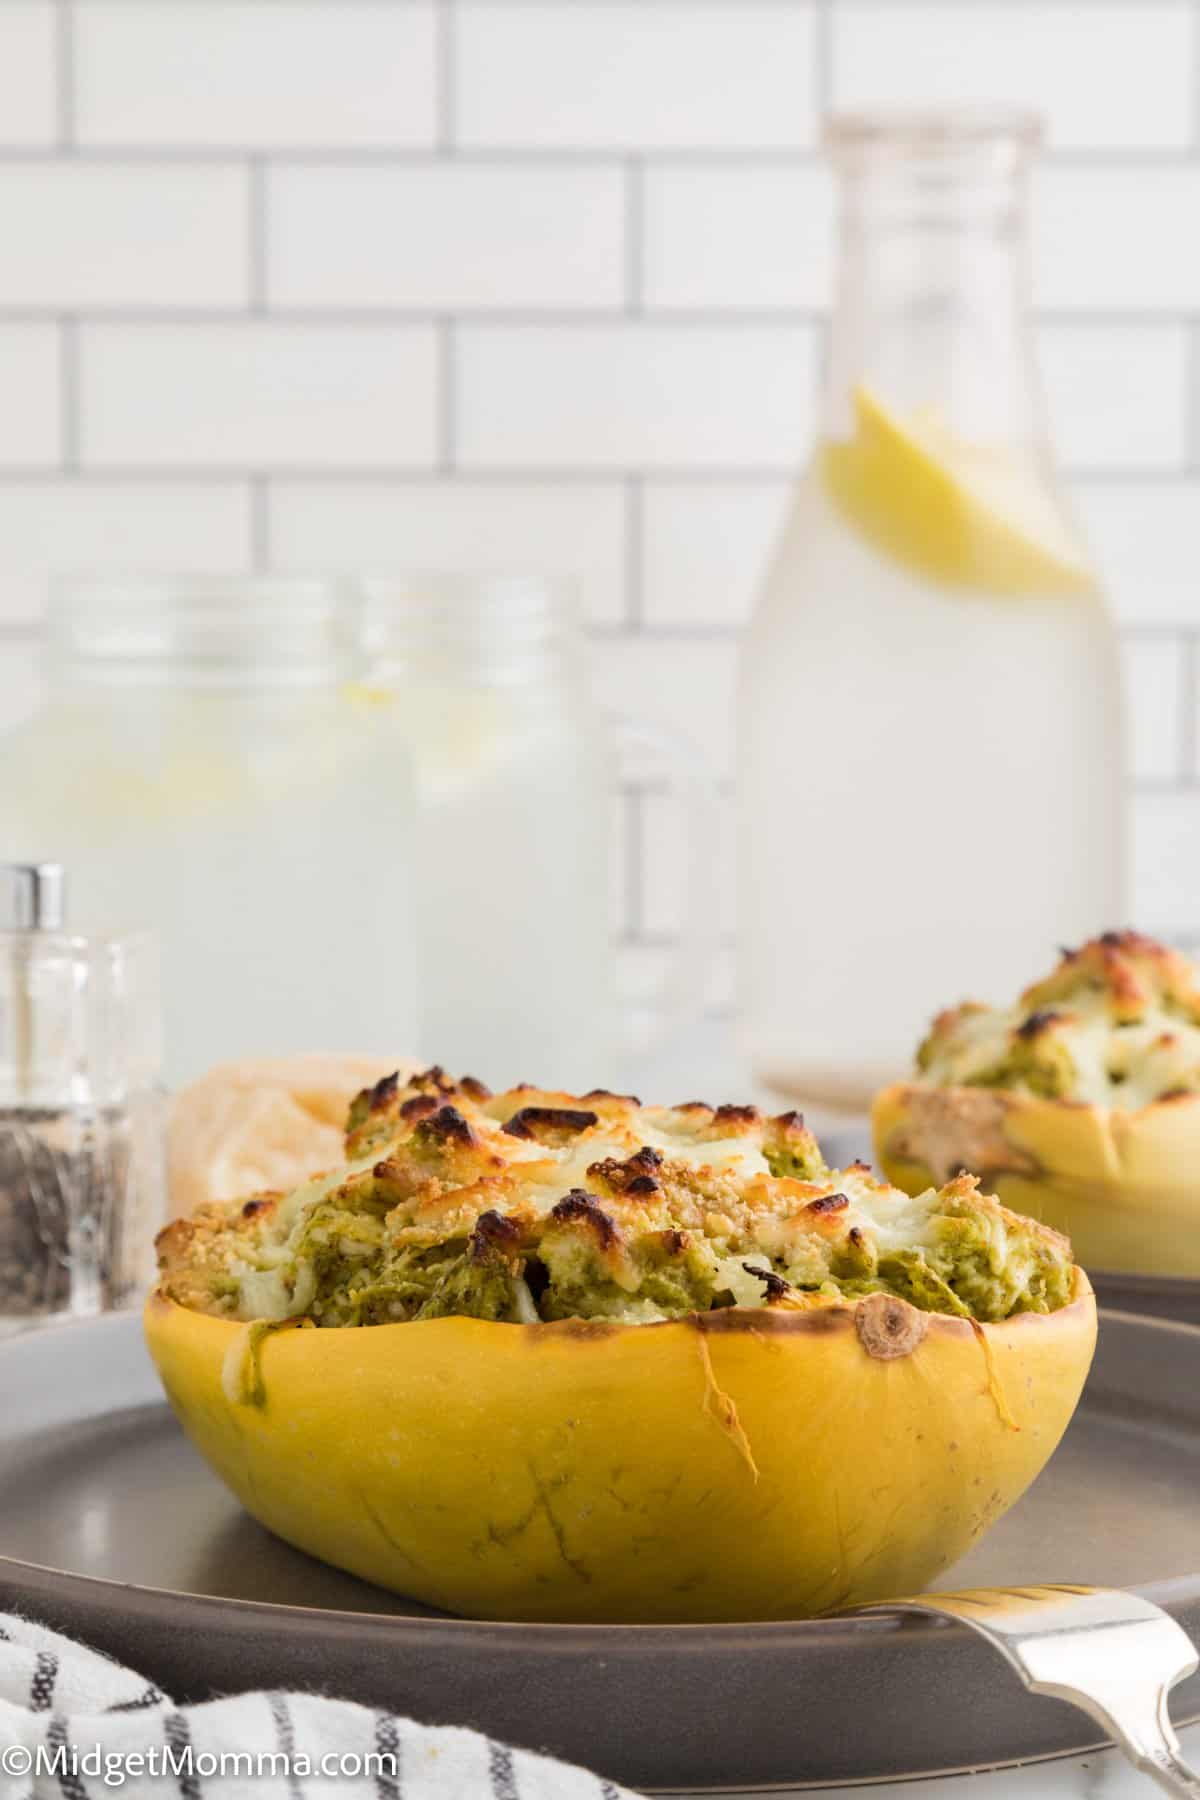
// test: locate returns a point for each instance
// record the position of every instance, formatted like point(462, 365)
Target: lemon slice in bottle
point(956, 513)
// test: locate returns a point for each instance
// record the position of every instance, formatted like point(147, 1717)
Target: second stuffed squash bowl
point(1079, 1106)
point(533, 1356)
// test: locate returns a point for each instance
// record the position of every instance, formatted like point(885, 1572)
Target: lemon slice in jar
point(955, 513)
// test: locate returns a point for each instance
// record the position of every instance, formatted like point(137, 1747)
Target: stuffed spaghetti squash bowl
point(1080, 1105)
point(538, 1356)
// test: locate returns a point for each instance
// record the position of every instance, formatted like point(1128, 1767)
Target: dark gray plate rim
point(1166, 1593)
point(95, 1595)
point(832, 1629)
point(1147, 1284)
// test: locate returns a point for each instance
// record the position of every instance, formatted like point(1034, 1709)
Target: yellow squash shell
point(1121, 1185)
point(741, 1464)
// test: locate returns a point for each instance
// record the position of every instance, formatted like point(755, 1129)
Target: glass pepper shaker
point(81, 1109)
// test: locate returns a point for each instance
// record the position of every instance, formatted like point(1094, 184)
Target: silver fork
point(1111, 1653)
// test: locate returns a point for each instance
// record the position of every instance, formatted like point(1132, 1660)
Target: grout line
point(70, 421)
point(447, 396)
point(637, 630)
point(635, 225)
point(823, 366)
point(632, 900)
point(635, 567)
point(665, 940)
point(649, 784)
point(401, 156)
point(1149, 787)
point(537, 317)
point(445, 87)
point(421, 472)
point(1189, 696)
point(28, 632)
point(259, 496)
point(1151, 634)
point(64, 76)
point(256, 225)
point(1096, 479)
point(779, 5)
point(1191, 398)
point(516, 318)
point(823, 63)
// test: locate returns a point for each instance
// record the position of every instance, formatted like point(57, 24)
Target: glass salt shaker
point(81, 1109)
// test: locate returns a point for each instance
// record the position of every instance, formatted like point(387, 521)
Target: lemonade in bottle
point(930, 767)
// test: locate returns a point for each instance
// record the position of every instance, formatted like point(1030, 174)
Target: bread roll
point(264, 1123)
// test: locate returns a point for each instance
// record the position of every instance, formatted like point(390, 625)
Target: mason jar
point(206, 764)
point(518, 757)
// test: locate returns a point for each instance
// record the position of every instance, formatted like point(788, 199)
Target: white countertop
point(1101, 1775)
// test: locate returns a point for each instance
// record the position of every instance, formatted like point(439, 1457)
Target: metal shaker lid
point(32, 896)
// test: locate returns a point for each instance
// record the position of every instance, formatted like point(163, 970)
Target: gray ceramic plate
point(111, 1528)
point(1164, 1296)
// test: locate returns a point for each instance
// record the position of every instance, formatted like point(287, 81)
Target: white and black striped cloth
point(72, 1714)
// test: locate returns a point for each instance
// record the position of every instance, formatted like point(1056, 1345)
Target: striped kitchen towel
point(75, 1725)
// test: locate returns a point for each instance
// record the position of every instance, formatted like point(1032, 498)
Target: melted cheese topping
point(1117, 1025)
point(536, 1206)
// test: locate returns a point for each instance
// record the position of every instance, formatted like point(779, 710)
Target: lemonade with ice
point(929, 761)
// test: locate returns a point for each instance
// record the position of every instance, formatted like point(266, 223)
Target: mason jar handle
point(677, 998)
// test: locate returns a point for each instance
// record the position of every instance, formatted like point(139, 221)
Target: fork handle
point(1148, 1740)
point(1170, 1772)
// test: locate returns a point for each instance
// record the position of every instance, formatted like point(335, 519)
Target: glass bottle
point(207, 766)
point(930, 760)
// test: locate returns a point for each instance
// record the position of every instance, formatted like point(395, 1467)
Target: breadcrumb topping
point(534, 1205)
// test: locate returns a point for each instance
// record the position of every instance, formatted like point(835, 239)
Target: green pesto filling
point(1042, 1065)
point(796, 1163)
point(344, 1272)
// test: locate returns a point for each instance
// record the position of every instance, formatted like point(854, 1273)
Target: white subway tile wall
point(497, 283)
point(654, 396)
point(259, 393)
point(31, 383)
point(446, 237)
point(245, 74)
point(28, 73)
point(757, 235)
point(124, 235)
point(1104, 76)
point(460, 524)
point(627, 76)
point(1119, 394)
point(52, 523)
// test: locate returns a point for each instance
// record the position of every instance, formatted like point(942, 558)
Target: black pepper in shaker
point(80, 1111)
